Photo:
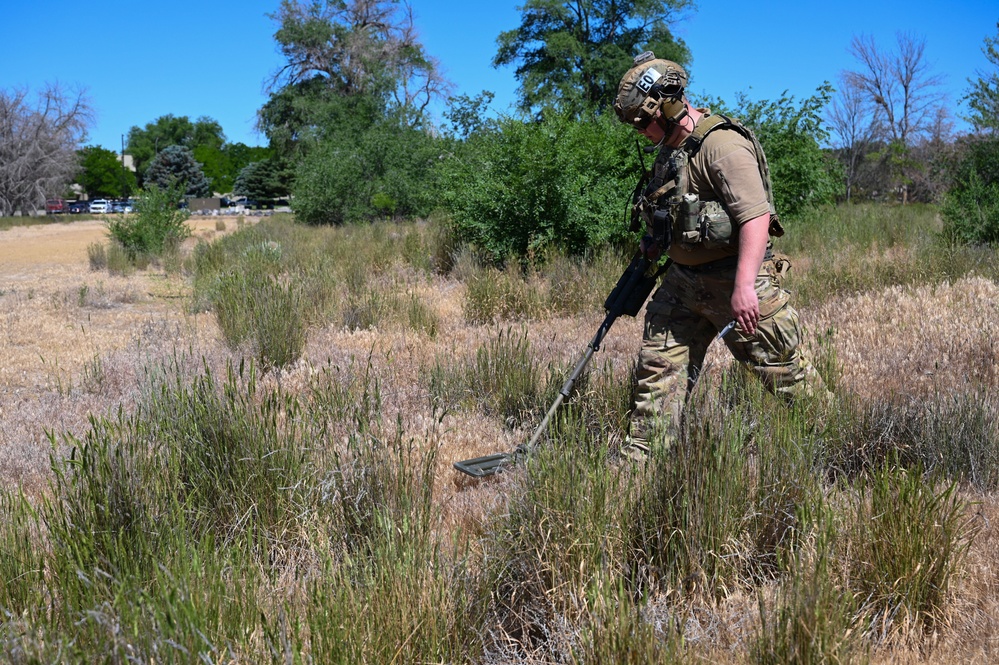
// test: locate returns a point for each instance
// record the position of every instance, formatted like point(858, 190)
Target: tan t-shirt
point(725, 169)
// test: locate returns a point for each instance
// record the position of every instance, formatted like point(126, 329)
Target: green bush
point(518, 188)
point(352, 176)
point(791, 134)
point(971, 207)
point(156, 226)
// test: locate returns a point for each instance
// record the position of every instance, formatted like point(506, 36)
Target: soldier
point(709, 206)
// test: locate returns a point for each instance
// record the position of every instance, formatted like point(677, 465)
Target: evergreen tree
point(176, 165)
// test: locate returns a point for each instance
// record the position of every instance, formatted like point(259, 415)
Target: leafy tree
point(983, 97)
point(223, 164)
point(335, 49)
point(355, 73)
point(351, 176)
point(38, 146)
point(467, 114)
point(792, 133)
point(176, 165)
point(167, 130)
point(103, 175)
point(521, 187)
point(571, 54)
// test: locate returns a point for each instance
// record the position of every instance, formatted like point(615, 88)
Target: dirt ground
point(61, 325)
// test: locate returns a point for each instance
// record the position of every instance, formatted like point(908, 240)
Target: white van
point(100, 206)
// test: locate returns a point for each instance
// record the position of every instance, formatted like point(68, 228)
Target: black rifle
point(628, 296)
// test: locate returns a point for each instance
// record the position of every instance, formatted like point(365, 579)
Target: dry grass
point(74, 343)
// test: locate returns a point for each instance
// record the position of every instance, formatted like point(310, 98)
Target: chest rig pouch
point(673, 213)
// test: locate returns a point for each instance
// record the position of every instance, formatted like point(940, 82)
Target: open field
point(75, 343)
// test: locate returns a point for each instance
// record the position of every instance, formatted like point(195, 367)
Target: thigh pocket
point(772, 300)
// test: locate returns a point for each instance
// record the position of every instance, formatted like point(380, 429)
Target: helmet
point(651, 85)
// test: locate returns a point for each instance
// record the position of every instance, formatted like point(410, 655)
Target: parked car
point(77, 207)
point(121, 206)
point(55, 206)
point(100, 206)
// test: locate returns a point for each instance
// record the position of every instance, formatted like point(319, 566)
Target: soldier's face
point(653, 131)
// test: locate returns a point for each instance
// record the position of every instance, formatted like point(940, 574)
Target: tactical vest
point(673, 213)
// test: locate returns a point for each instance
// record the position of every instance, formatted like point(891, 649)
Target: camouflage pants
point(682, 319)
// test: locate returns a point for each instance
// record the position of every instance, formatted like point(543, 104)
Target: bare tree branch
point(900, 83)
point(38, 145)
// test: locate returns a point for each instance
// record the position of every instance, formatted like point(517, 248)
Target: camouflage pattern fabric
point(681, 320)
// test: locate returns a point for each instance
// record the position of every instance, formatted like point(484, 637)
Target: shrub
point(521, 187)
point(156, 226)
point(792, 134)
point(354, 176)
point(971, 207)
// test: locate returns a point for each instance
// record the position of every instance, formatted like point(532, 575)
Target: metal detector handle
point(612, 315)
point(488, 465)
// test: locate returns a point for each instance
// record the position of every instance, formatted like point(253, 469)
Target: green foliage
point(252, 303)
point(983, 96)
point(145, 143)
point(261, 181)
point(154, 227)
point(340, 54)
point(791, 133)
point(524, 187)
point(971, 207)
point(102, 174)
point(223, 164)
point(359, 173)
point(175, 166)
point(571, 55)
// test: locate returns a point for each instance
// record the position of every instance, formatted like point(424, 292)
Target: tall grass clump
point(812, 618)
point(559, 556)
point(494, 294)
point(217, 485)
point(908, 539)
point(550, 285)
point(269, 312)
point(949, 433)
point(729, 499)
point(391, 591)
point(155, 517)
point(277, 279)
point(868, 247)
point(504, 380)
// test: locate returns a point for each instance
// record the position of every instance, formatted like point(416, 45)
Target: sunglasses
point(641, 123)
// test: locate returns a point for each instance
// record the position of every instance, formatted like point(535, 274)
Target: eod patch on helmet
point(651, 85)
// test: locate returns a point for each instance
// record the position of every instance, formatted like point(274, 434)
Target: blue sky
point(141, 60)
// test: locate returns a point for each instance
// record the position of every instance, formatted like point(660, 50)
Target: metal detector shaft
point(490, 464)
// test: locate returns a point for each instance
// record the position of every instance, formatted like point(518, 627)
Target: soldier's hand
point(746, 308)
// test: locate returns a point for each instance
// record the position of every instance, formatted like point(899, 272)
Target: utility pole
point(124, 194)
